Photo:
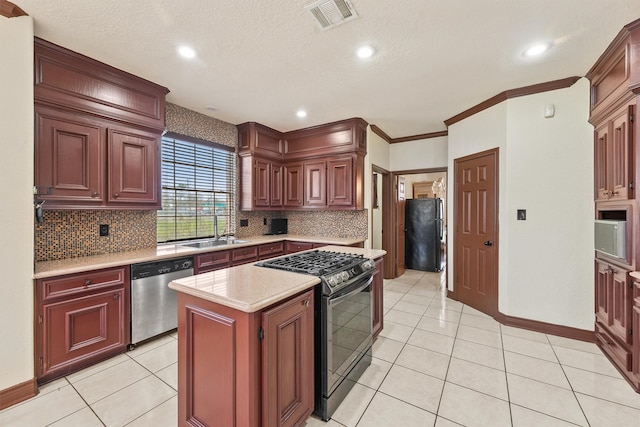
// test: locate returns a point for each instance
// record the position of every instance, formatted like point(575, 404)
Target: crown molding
point(382, 134)
point(10, 10)
point(513, 93)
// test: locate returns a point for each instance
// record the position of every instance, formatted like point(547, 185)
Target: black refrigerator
point(423, 234)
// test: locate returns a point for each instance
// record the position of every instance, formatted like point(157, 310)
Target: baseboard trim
point(542, 327)
point(17, 393)
point(547, 328)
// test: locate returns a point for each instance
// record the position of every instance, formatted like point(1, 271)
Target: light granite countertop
point(165, 251)
point(250, 288)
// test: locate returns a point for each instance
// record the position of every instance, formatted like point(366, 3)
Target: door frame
point(394, 210)
point(386, 204)
point(496, 241)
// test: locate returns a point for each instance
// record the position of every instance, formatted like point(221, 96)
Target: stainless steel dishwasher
point(154, 306)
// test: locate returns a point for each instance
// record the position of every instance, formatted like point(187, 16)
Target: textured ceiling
point(262, 60)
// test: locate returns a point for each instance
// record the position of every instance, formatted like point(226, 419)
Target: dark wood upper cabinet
point(293, 186)
point(98, 133)
point(321, 167)
point(66, 78)
point(69, 157)
point(315, 183)
point(615, 88)
point(133, 167)
point(276, 183)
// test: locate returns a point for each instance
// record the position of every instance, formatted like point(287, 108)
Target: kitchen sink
point(213, 243)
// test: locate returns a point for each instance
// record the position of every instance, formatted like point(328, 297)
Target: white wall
point(377, 154)
point(16, 200)
point(546, 167)
point(420, 154)
point(550, 174)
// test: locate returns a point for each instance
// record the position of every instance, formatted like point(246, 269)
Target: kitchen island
point(246, 345)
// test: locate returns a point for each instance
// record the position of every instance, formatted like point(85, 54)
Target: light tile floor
point(436, 363)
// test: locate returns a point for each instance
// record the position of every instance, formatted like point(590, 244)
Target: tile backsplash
point(347, 224)
point(70, 234)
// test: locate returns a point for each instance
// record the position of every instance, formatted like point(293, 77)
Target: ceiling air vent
point(331, 13)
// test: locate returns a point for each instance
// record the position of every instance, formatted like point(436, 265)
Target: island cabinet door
point(287, 363)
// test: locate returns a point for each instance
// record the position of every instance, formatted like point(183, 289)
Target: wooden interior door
point(400, 193)
point(476, 232)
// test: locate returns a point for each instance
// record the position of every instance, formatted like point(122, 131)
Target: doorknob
point(488, 243)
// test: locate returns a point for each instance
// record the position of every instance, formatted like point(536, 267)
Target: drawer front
point(212, 261)
point(619, 354)
point(292, 247)
point(244, 254)
point(271, 249)
point(74, 284)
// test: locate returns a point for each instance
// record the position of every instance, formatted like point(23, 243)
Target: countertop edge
point(217, 285)
point(45, 269)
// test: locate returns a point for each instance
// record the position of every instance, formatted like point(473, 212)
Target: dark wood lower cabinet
point(377, 291)
point(293, 247)
point(228, 376)
point(211, 261)
point(80, 319)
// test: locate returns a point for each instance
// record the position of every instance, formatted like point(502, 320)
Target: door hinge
point(260, 334)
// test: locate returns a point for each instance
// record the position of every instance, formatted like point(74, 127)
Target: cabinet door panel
point(315, 187)
point(276, 185)
point(287, 359)
point(133, 166)
point(602, 293)
point(261, 183)
point(620, 304)
point(601, 157)
point(293, 186)
point(619, 163)
point(340, 182)
point(82, 327)
point(69, 157)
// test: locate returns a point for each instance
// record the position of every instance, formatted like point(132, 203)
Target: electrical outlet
point(104, 229)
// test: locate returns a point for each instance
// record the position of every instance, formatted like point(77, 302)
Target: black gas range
point(337, 270)
point(343, 334)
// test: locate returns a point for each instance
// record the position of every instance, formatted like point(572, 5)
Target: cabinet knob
point(115, 196)
point(87, 282)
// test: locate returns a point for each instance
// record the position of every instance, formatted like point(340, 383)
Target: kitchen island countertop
point(250, 288)
point(61, 267)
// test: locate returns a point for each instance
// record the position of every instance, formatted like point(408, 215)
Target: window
point(198, 188)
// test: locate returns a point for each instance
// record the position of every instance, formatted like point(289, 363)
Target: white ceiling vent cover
point(331, 13)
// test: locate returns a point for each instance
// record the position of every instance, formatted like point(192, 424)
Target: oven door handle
point(336, 300)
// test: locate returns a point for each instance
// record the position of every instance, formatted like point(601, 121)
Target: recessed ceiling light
point(536, 49)
point(186, 52)
point(301, 114)
point(365, 52)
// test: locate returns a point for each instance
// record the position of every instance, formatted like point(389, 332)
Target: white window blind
point(198, 186)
